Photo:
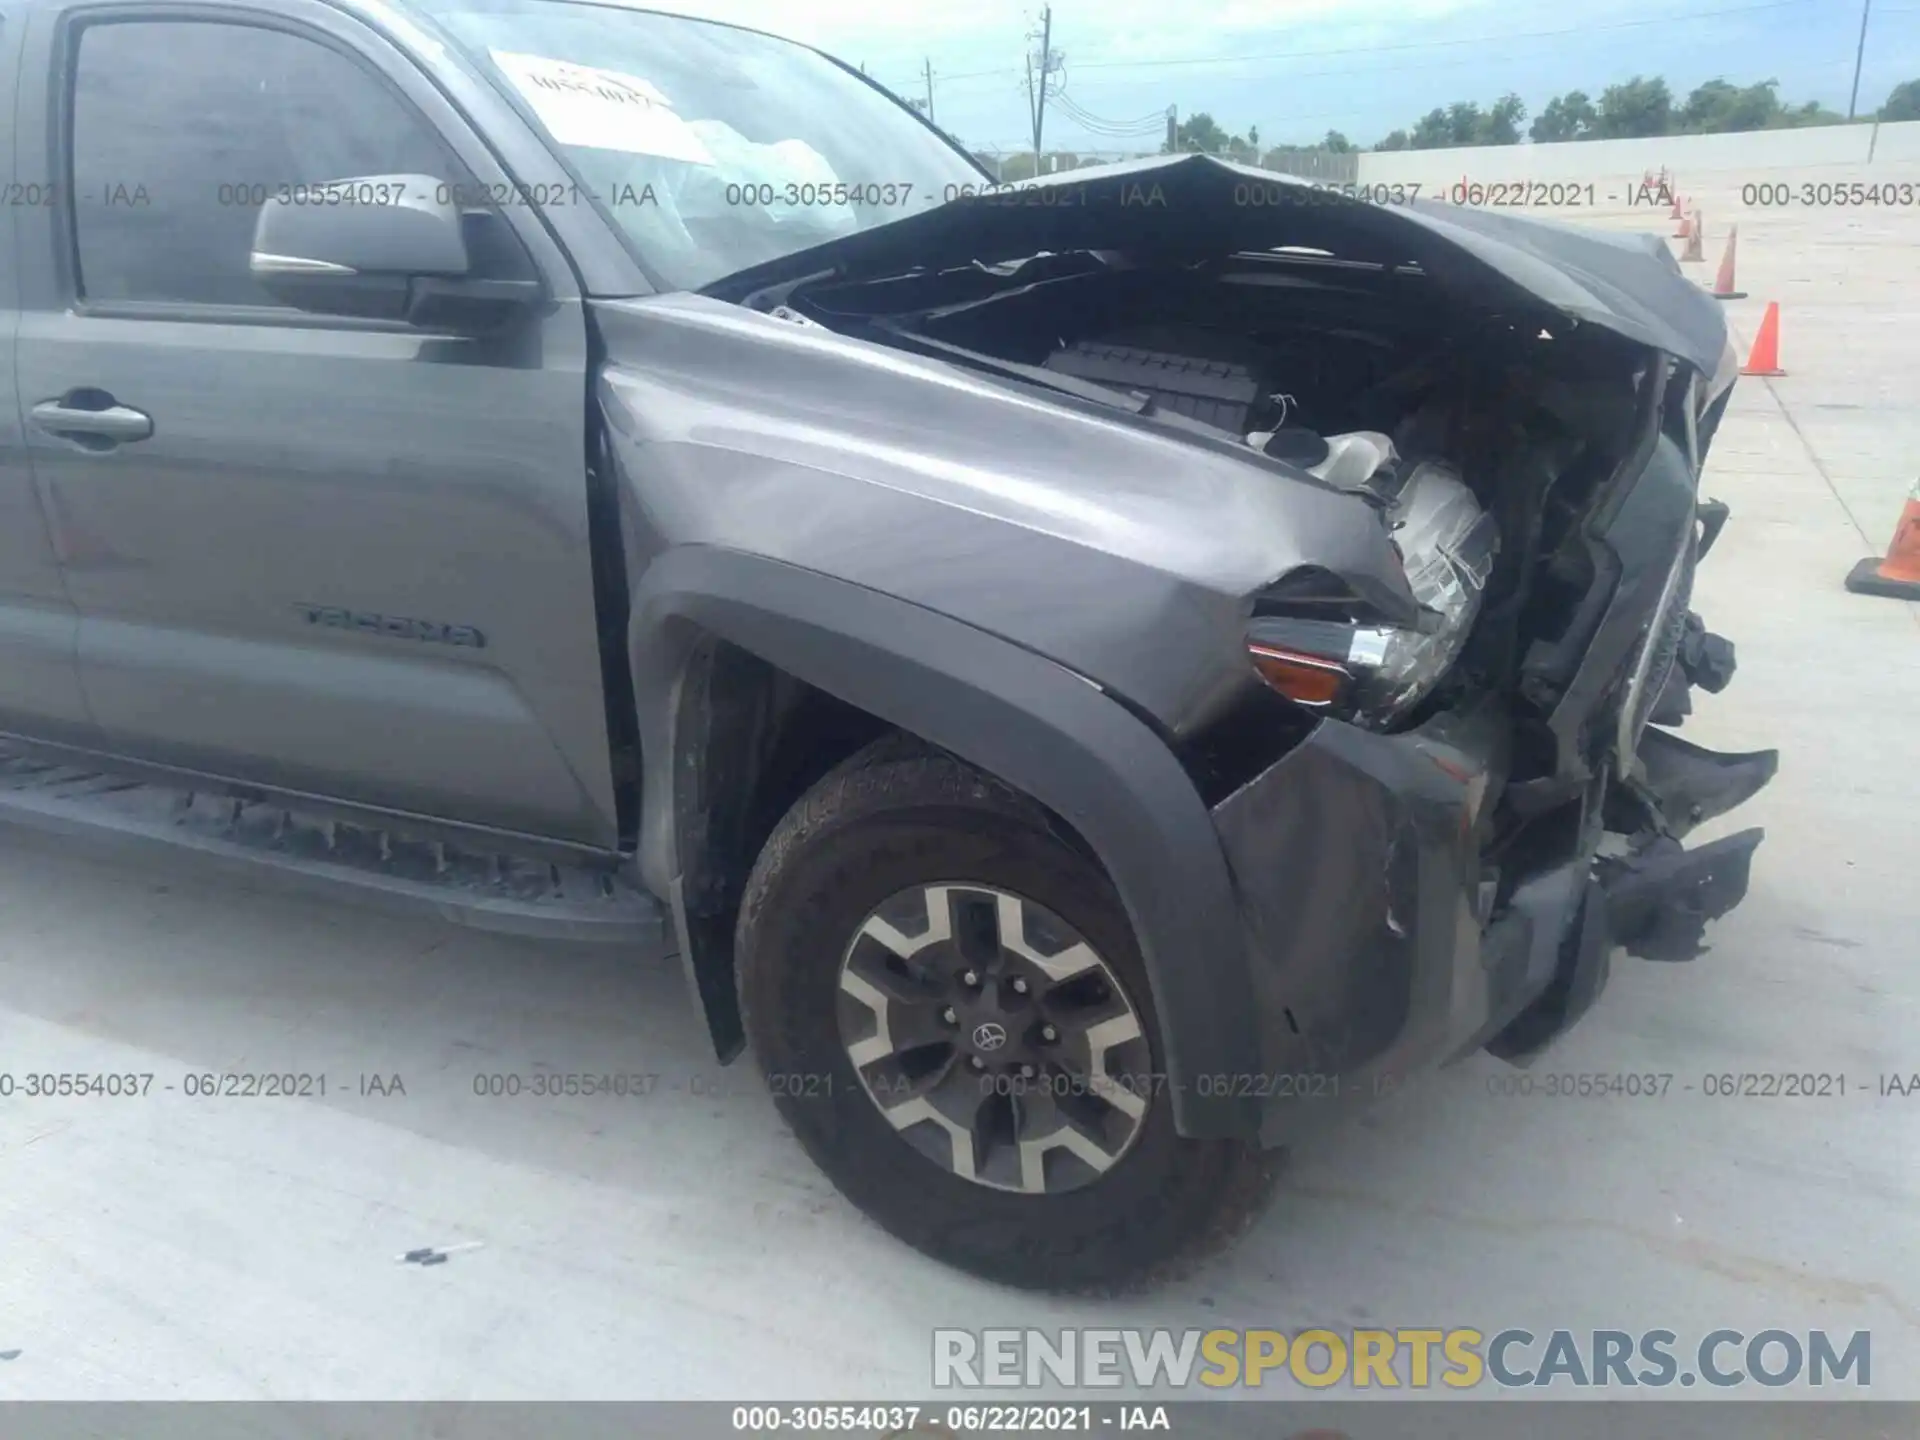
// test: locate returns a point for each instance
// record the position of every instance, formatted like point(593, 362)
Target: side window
point(182, 130)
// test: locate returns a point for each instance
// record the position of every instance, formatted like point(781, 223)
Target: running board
point(264, 842)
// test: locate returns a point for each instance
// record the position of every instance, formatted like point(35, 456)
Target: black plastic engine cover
point(1215, 392)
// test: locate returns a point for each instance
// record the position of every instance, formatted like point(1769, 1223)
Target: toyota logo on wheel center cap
point(989, 1036)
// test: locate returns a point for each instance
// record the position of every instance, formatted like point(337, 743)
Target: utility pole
point(1859, 54)
point(926, 69)
point(1173, 128)
point(1037, 97)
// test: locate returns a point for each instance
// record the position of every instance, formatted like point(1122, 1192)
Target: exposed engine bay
point(1537, 478)
point(1482, 440)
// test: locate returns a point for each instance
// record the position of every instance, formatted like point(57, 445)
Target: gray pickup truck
point(1092, 679)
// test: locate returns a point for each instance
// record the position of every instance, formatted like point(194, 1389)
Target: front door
point(326, 556)
point(39, 687)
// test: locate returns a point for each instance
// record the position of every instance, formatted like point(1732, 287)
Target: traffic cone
point(1677, 211)
point(1765, 359)
point(1693, 252)
point(1898, 576)
point(1683, 229)
point(1723, 282)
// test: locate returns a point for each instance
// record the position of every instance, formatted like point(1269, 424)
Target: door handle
point(99, 425)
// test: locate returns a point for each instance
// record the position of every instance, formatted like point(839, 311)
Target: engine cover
point(1215, 392)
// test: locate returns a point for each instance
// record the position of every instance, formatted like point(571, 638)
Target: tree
point(1903, 103)
point(1717, 107)
point(1637, 108)
point(1200, 132)
point(1502, 123)
point(1431, 131)
point(1567, 117)
point(1253, 136)
point(1462, 123)
point(1811, 113)
point(1337, 143)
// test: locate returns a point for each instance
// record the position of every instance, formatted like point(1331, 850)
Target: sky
point(1297, 68)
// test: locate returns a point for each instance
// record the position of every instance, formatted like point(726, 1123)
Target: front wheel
point(950, 1008)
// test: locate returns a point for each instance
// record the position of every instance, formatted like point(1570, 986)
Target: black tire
point(896, 817)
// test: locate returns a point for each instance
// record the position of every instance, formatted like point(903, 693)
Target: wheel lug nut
point(1019, 986)
point(1047, 1032)
point(948, 1016)
point(970, 978)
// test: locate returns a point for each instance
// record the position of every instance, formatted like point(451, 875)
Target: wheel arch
point(1026, 720)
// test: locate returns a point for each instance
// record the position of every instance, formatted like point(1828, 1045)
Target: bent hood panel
point(1200, 205)
point(1124, 554)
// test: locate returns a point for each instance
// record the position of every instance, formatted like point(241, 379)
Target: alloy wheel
point(994, 1037)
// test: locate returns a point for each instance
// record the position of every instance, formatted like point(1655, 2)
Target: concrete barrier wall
point(1686, 156)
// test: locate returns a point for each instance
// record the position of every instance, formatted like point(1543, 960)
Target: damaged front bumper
point(1381, 944)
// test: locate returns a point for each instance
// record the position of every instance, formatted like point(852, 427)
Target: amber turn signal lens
point(1305, 679)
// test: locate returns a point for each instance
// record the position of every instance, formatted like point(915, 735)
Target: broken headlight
point(1447, 544)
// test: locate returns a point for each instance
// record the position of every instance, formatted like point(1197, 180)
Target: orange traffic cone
point(1723, 282)
point(1678, 210)
point(1765, 359)
point(1683, 229)
point(1897, 576)
point(1693, 252)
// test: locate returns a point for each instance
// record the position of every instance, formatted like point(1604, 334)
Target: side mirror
point(383, 247)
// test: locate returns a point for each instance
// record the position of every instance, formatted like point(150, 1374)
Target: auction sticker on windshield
point(601, 109)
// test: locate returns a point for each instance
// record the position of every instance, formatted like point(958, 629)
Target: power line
point(1152, 118)
point(1119, 129)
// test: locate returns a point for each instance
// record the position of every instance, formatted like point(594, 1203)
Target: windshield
point(713, 148)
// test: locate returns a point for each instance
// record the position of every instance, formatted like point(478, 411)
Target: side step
point(263, 842)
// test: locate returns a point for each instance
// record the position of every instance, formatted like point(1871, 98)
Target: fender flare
point(1031, 722)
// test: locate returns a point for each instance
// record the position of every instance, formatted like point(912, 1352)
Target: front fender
point(1034, 724)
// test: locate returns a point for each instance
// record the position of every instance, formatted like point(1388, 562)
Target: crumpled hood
point(1200, 205)
point(1081, 533)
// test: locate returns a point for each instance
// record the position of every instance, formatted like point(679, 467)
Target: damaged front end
point(1445, 795)
point(1464, 854)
